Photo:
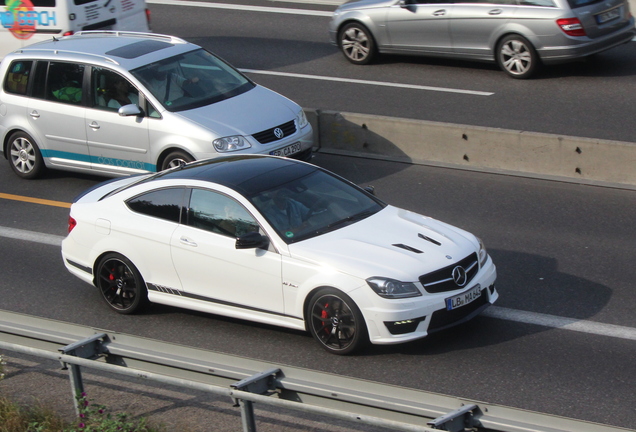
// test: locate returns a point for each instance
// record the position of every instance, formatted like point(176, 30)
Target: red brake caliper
point(324, 315)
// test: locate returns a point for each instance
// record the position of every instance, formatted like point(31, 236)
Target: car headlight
point(483, 254)
point(392, 289)
point(231, 143)
point(301, 119)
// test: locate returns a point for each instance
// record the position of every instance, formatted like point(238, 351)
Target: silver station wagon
point(115, 103)
point(517, 34)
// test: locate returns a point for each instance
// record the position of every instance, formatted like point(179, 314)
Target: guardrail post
point(89, 348)
point(261, 383)
point(458, 420)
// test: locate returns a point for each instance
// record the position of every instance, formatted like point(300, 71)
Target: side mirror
point(369, 189)
point(129, 110)
point(252, 240)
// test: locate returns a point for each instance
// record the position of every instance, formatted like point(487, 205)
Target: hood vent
point(408, 248)
point(435, 242)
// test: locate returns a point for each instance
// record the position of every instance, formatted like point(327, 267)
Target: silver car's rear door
point(420, 26)
point(475, 25)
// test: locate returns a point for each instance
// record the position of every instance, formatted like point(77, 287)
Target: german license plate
point(464, 298)
point(608, 15)
point(287, 151)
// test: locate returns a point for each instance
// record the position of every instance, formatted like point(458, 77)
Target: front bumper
point(398, 321)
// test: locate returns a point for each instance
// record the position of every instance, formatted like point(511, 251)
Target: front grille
point(443, 318)
point(442, 280)
point(268, 136)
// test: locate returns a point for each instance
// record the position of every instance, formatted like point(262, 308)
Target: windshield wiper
point(349, 219)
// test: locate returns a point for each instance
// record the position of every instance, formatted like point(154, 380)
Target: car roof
point(247, 174)
point(128, 49)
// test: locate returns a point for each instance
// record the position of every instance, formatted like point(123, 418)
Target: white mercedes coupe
point(277, 241)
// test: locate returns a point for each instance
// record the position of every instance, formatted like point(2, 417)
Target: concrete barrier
point(581, 160)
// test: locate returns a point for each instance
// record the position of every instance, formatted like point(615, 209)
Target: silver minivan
point(517, 34)
point(116, 103)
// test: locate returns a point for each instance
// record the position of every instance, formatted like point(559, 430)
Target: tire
point(25, 156)
point(357, 44)
point(175, 158)
point(120, 284)
point(517, 57)
point(335, 322)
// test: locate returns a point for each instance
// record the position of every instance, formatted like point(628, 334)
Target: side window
point(111, 90)
point(18, 77)
point(65, 82)
point(544, 3)
point(219, 214)
point(162, 204)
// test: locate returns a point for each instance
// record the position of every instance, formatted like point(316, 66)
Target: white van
point(28, 21)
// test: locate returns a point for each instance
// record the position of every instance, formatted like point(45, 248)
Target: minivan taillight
point(72, 223)
point(571, 26)
point(68, 33)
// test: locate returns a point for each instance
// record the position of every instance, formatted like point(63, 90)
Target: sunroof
point(138, 49)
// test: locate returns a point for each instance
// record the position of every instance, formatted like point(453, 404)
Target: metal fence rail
point(248, 381)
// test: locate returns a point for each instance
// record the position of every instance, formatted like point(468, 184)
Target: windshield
point(192, 80)
point(313, 205)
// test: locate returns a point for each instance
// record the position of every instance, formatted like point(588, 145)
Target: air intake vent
point(408, 248)
point(435, 242)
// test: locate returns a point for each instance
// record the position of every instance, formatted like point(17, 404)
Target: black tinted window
point(17, 77)
point(162, 204)
point(65, 82)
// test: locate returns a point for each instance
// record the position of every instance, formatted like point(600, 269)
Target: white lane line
point(19, 234)
point(241, 7)
point(551, 321)
point(558, 322)
point(366, 82)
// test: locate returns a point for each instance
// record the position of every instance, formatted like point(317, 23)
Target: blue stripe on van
point(101, 160)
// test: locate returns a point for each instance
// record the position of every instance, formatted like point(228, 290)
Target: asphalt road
point(591, 98)
point(561, 249)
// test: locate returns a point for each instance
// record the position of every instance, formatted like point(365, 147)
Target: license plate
point(608, 15)
point(464, 298)
point(286, 151)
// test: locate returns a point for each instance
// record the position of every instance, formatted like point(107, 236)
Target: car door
point(420, 26)
point(476, 25)
point(116, 143)
point(210, 267)
point(56, 113)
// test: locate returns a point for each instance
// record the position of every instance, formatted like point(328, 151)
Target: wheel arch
point(165, 152)
point(374, 30)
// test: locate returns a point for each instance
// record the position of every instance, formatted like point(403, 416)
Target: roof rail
point(59, 51)
point(117, 33)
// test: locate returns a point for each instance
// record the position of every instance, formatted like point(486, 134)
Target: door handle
point(495, 12)
point(34, 114)
point(186, 241)
point(440, 12)
point(94, 125)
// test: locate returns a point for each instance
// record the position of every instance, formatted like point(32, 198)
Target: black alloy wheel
point(336, 322)
point(121, 284)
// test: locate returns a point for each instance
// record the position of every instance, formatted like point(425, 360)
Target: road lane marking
point(558, 322)
point(526, 317)
point(32, 236)
point(241, 7)
point(35, 200)
point(366, 82)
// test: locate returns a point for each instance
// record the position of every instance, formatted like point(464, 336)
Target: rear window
point(580, 3)
point(17, 77)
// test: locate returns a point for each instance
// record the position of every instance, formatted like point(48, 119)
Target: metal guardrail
point(248, 381)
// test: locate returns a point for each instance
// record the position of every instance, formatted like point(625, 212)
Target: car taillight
point(571, 26)
point(148, 17)
point(68, 33)
point(72, 223)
